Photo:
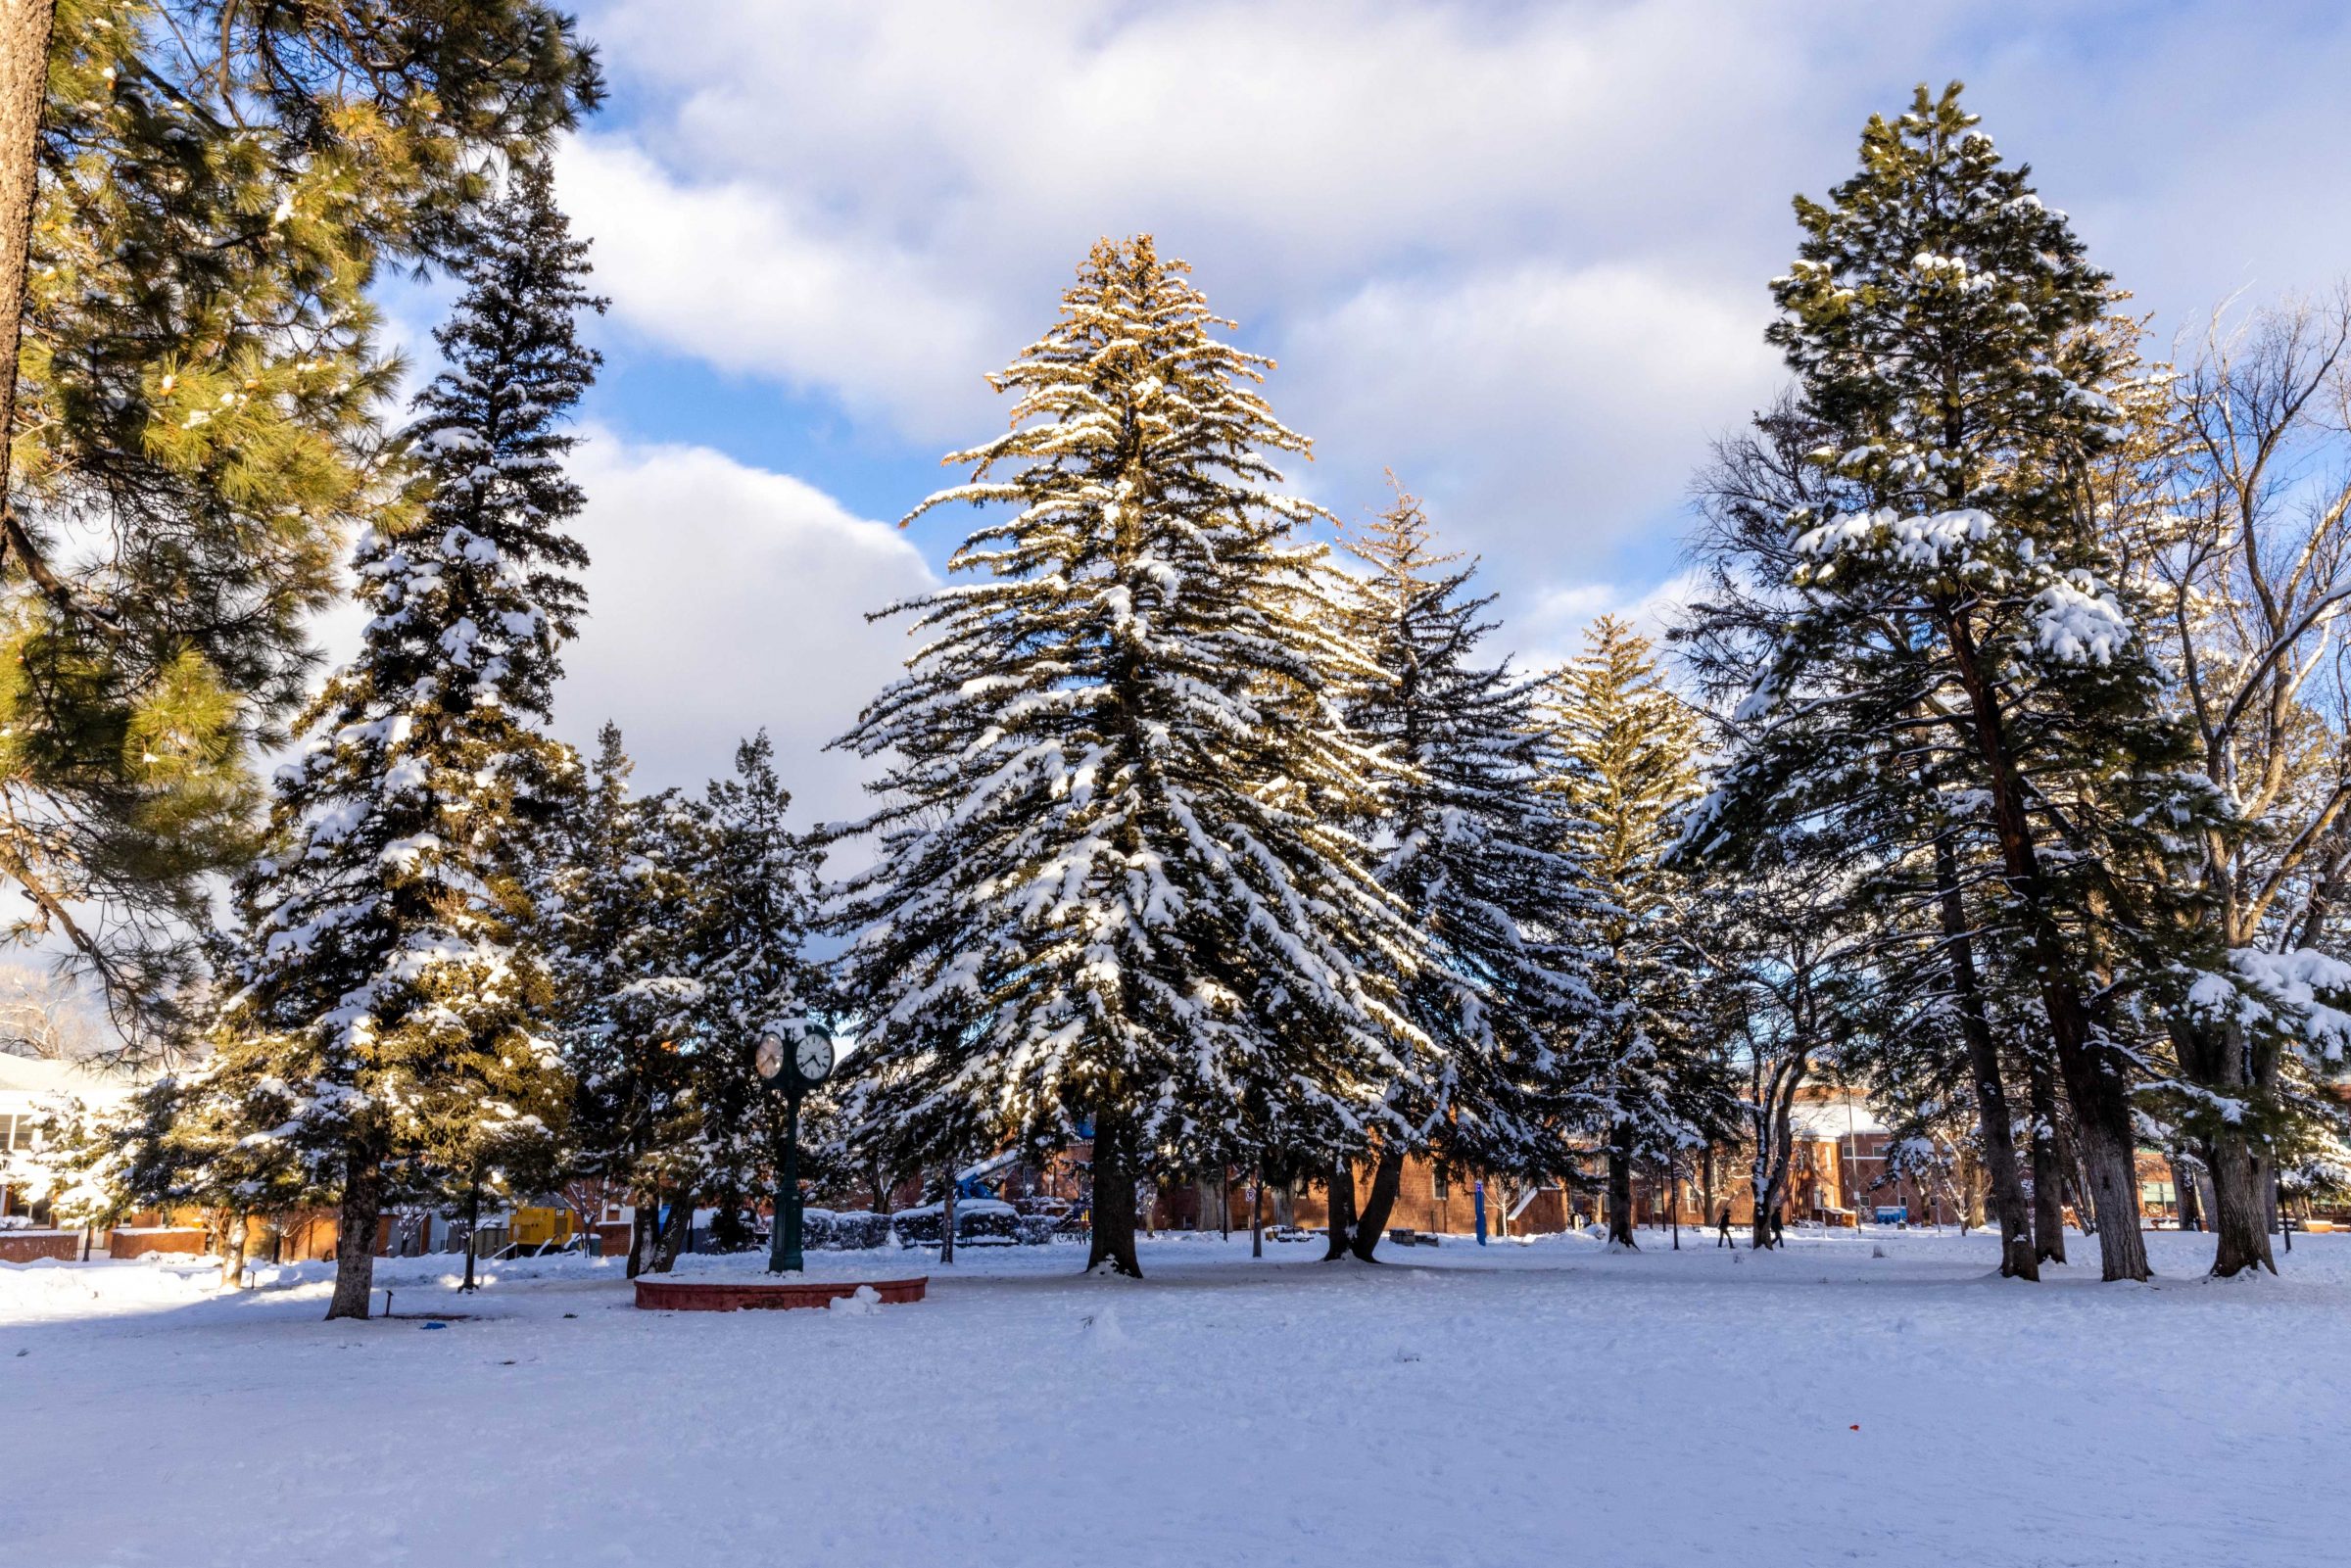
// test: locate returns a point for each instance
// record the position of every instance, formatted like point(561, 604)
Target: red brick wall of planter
point(139, 1243)
point(24, 1246)
point(712, 1296)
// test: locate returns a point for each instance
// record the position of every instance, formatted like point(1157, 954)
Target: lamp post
point(796, 1058)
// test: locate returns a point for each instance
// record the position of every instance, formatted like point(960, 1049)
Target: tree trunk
point(2048, 1163)
point(1342, 1212)
point(2017, 1258)
point(2069, 1156)
point(1204, 1196)
point(677, 1235)
point(1621, 1190)
point(1379, 1202)
point(1673, 1201)
point(644, 1218)
point(2187, 1200)
point(355, 1232)
point(2241, 1212)
point(473, 1232)
point(2106, 1161)
point(25, 26)
point(232, 1251)
point(1113, 1202)
point(946, 1217)
point(1286, 1210)
point(1257, 1214)
point(2094, 1078)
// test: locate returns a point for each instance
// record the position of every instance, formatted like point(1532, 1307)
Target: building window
point(1439, 1186)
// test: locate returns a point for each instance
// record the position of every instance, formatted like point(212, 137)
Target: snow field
point(1514, 1404)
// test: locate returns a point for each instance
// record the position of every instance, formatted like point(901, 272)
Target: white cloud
point(741, 276)
point(723, 599)
point(1518, 251)
point(1535, 405)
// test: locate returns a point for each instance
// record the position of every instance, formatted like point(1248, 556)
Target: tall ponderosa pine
point(1624, 754)
point(385, 977)
point(189, 223)
point(1952, 615)
point(1470, 844)
point(1111, 886)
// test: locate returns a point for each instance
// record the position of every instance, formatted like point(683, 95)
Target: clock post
point(795, 1059)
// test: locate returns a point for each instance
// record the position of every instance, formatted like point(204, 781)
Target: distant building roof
point(43, 1075)
point(1832, 1114)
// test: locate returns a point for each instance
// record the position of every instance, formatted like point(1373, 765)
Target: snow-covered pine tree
point(1952, 609)
point(1469, 842)
point(1624, 758)
point(1915, 863)
point(1112, 885)
point(197, 208)
point(757, 891)
point(619, 913)
point(384, 978)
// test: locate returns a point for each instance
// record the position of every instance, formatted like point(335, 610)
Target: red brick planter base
point(729, 1296)
point(24, 1246)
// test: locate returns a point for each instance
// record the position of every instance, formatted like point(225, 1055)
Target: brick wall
point(138, 1243)
point(24, 1246)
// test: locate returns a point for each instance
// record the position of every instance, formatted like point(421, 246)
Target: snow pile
point(50, 1288)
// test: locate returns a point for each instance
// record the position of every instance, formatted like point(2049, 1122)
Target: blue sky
point(1517, 252)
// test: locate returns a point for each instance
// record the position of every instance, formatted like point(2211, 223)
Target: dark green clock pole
point(784, 1258)
point(795, 1059)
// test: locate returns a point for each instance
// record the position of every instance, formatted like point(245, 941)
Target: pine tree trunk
point(946, 1217)
point(1342, 1212)
point(1705, 1181)
point(473, 1232)
point(2240, 1206)
point(2187, 1199)
point(1621, 1190)
point(2048, 1165)
point(1379, 1202)
point(2069, 1156)
point(2017, 1258)
point(25, 28)
point(232, 1251)
point(676, 1235)
point(1204, 1196)
point(643, 1216)
point(2106, 1161)
point(1114, 1199)
point(354, 1233)
point(1257, 1214)
point(2094, 1078)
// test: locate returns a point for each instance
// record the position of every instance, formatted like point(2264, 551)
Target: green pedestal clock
point(793, 1058)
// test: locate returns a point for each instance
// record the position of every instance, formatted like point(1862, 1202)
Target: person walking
point(1779, 1230)
point(1722, 1229)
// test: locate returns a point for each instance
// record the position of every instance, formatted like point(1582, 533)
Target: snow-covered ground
point(1515, 1405)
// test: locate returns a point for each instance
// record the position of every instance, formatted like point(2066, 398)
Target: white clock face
point(815, 1058)
point(770, 1060)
